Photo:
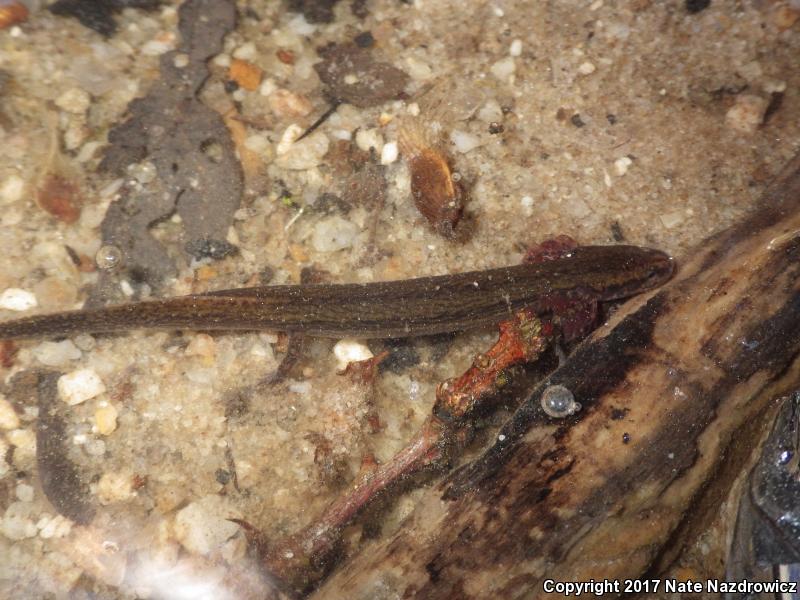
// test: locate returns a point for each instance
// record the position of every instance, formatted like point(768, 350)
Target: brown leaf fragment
point(188, 143)
point(59, 197)
point(60, 478)
point(352, 75)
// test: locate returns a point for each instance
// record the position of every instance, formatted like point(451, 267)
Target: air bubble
point(108, 257)
point(558, 402)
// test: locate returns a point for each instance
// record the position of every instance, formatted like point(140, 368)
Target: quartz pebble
point(333, 233)
point(491, 112)
point(204, 525)
point(17, 299)
point(24, 492)
point(79, 386)
point(515, 49)
point(586, 68)
point(367, 139)
point(8, 416)
point(12, 189)
point(389, 153)
point(53, 527)
point(300, 155)
point(202, 345)
point(105, 419)
point(286, 104)
point(347, 351)
point(24, 440)
point(17, 524)
point(464, 141)
point(74, 100)
point(115, 486)
point(747, 114)
point(504, 68)
point(621, 165)
point(56, 354)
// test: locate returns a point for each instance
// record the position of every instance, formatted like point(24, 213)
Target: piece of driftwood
point(663, 386)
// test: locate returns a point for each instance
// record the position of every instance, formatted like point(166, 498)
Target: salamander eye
point(558, 402)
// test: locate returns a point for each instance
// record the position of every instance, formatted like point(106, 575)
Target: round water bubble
point(108, 257)
point(558, 402)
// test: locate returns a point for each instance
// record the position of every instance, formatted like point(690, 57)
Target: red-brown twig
point(300, 561)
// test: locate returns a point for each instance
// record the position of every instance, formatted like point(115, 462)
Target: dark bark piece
point(98, 14)
point(376, 82)
point(60, 478)
point(315, 11)
point(198, 174)
point(570, 500)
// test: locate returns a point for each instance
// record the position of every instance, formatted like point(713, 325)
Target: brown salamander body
point(405, 308)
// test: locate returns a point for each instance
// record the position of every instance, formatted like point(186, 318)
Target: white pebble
point(300, 387)
point(17, 299)
point(300, 26)
point(17, 524)
point(747, 114)
point(24, 440)
point(586, 68)
point(347, 351)
point(12, 189)
point(341, 134)
point(369, 138)
point(491, 112)
point(8, 416)
point(246, 51)
point(95, 447)
point(74, 100)
point(157, 47)
point(504, 68)
point(80, 386)
point(621, 165)
point(56, 354)
point(24, 492)
point(267, 87)
point(53, 527)
point(204, 525)
point(516, 48)
point(334, 233)
point(418, 69)
point(389, 153)
point(300, 155)
point(527, 205)
point(222, 60)
point(464, 141)
point(181, 60)
point(115, 486)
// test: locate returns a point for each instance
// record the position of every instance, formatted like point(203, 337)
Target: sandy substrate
point(605, 121)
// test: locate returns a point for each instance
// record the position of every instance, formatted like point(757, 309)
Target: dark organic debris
point(695, 6)
point(198, 174)
point(214, 249)
point(60, 478)
point(315, 11)
point(98, 14)
point(375, 82)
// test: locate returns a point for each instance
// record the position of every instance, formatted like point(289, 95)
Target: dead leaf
point(352, 75)
point(59, 197)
